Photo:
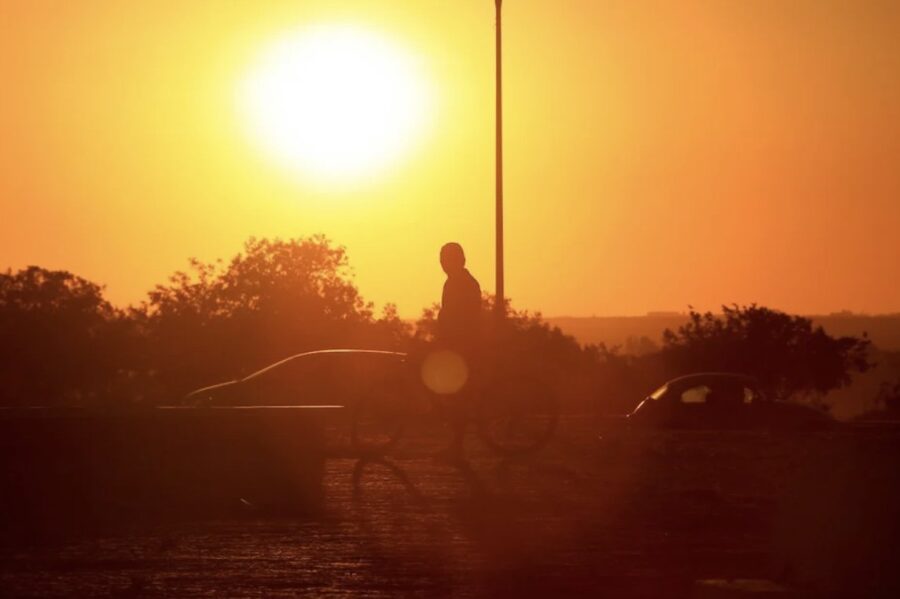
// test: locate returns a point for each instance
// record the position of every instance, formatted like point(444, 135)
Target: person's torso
point(460, 316)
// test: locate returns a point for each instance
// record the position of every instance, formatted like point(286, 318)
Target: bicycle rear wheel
point(517, 419)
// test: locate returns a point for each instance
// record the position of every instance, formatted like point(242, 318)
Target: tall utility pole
point(500, 299)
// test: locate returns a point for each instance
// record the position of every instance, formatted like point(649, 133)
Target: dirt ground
point(591, 515)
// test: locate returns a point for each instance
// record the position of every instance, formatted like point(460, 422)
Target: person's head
point(452, 257)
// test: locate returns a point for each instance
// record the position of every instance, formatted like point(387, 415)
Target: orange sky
point(658, 154)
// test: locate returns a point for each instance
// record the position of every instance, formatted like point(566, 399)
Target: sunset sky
point(658, 154)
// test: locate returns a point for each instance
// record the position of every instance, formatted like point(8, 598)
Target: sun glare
point(335, 102)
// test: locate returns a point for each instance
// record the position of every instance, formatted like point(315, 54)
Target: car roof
point(709, 377)
point(326, 352)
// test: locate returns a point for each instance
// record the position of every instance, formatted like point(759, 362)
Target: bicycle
point(515, 412)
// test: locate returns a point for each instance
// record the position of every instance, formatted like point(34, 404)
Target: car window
point(659, 392)
point(695, 395)
point(366, 374)
point(291, 382)
point(285, 369)
point(750, 395)
point(325, 379)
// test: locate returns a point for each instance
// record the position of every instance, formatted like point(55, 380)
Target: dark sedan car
point(336, 377)
point(717, 400)
point(375, 388)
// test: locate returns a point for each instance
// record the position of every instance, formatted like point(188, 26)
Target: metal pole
point(500, 299)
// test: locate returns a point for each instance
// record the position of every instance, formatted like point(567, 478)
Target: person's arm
point(443, 312)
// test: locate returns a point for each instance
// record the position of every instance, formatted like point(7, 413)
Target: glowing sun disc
point(335, 101)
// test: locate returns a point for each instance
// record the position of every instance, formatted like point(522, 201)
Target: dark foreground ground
point(636, 516)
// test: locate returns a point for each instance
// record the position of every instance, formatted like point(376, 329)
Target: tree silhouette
point(788, 355)
point(274, 299)
point(62, 340)
point(64, 343)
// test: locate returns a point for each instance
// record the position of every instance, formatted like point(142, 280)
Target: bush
point(274, 299)
point(788, 355)
point(889, 397)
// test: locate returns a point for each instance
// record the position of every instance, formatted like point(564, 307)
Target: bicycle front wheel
point(517, 419)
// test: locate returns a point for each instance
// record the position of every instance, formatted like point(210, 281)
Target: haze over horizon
point(657, 154)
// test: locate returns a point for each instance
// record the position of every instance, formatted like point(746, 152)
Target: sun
point(335, 102)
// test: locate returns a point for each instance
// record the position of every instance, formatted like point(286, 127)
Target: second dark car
point(719, 400)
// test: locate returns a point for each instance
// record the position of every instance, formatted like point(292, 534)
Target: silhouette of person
point(459, 321)
point(459, 330)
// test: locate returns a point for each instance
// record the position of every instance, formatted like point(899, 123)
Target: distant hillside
point(622, 331)
point(627, 331)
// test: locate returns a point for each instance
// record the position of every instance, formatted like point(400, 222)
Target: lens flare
point(444, 372)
